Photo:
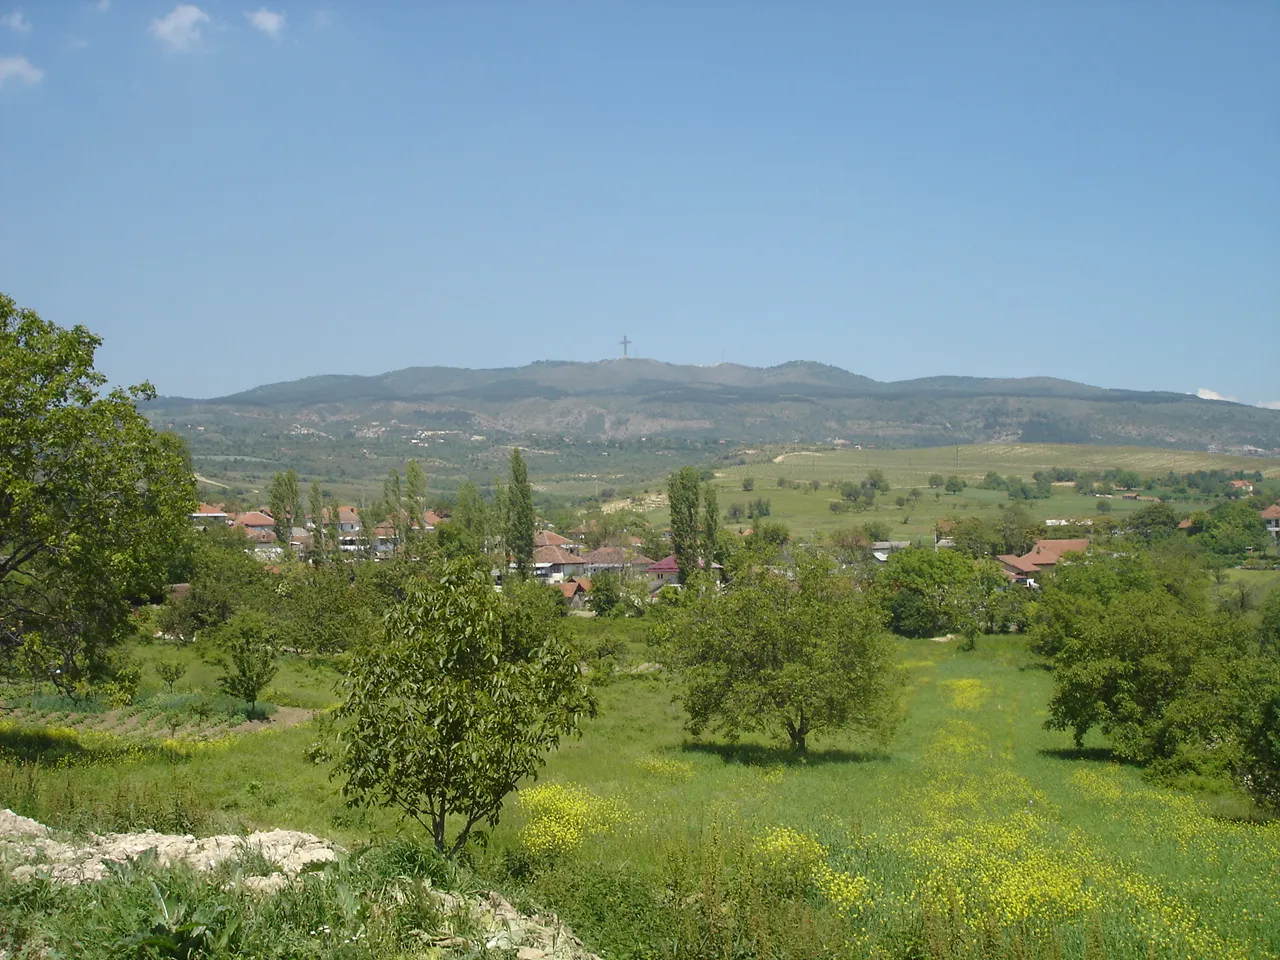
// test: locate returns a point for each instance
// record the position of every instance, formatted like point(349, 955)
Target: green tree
point(877, 481)
point(954, 485)
point(710, 547)
point(606, 596)
point(1126, 666)
point(170, 672)
point(459, 700)
point(248, 656)
point(748, 484)
point(926, 592)
point(94, 503)
point(520, 518)
point(415, 490)
point(935, 480)
point(316, 503)
point(792, 657)
point(1153, 522)
point(285, 502)
point(684, 489)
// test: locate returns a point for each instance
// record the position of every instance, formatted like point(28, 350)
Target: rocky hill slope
point(791, 402)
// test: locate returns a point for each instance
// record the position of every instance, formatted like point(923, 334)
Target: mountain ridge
point(794, 401)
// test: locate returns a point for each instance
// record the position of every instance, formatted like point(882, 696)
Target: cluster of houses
point(260, 527)
point(558, 560)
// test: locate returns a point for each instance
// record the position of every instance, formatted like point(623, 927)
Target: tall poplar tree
point(683, 493)
point(520, 516)
point(317, 519)
point(710, 523)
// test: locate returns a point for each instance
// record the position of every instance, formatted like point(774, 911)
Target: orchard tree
point(247, 645)
point(94, 503)
point(460, 699)
point(927, 592)
point(791, 657)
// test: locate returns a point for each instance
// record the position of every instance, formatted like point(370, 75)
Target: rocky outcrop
point(28, 850)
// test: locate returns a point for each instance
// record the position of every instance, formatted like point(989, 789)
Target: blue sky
point(234, 194)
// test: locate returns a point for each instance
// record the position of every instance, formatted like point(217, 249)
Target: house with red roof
point(622, 560)
point(574, 592)
point(555, 564)
point(666, 571)
point(255, 520)
point(1240, 486)
point(1271, 517)
point(1043, 556)
point(549, 538)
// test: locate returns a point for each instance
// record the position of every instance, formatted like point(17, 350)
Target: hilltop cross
point(625, 343)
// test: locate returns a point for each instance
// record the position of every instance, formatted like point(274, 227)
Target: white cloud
point(1204, 393)
point(1270, 404)
point(180, 30)
point(16, 21)
point(265, 20)
point(21, 69)
point(103, 5)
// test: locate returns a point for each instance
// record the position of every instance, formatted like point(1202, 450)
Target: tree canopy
point(94, 503)
point(792, 657)
point(460, 699)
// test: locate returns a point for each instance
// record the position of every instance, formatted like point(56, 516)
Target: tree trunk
point(798, 731)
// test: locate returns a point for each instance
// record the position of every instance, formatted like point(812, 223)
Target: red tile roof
point(1048, 552)
point(432, 518)
point(665, 565)
point(1272, 512)
point(215, 509)
point(571, 588)
point(616, 557)
point(549, 538)
point(585, 581)
point(255, 518)
point(348, 515)
point(554, 555)
point(1018, 563)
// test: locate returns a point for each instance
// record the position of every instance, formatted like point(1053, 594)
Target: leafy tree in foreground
point(247, 643)
point(520, 518)
point(94, 503)
point(794, 657)
point(457, 702)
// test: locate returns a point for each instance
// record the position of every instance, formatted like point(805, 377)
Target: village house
point(667, 572)
point(255, 521)
point(1043, 556)
point(210, 513)
point(621, 560)
point(555, 564)
point(1271, 517)
point(1241, 486)
point(549, 538)
point(575, 592)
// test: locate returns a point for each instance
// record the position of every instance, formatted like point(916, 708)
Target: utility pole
point(624, 342)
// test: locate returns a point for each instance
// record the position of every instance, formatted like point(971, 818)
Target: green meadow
point(974, 832)
point(807, 511)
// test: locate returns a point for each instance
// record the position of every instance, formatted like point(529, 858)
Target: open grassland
point(807, 511)
point(974, 833)
point(912, 467)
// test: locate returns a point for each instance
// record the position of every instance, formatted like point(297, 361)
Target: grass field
point(807, 511)
point(908, 468)
point(974, 803)
point(974, 833)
